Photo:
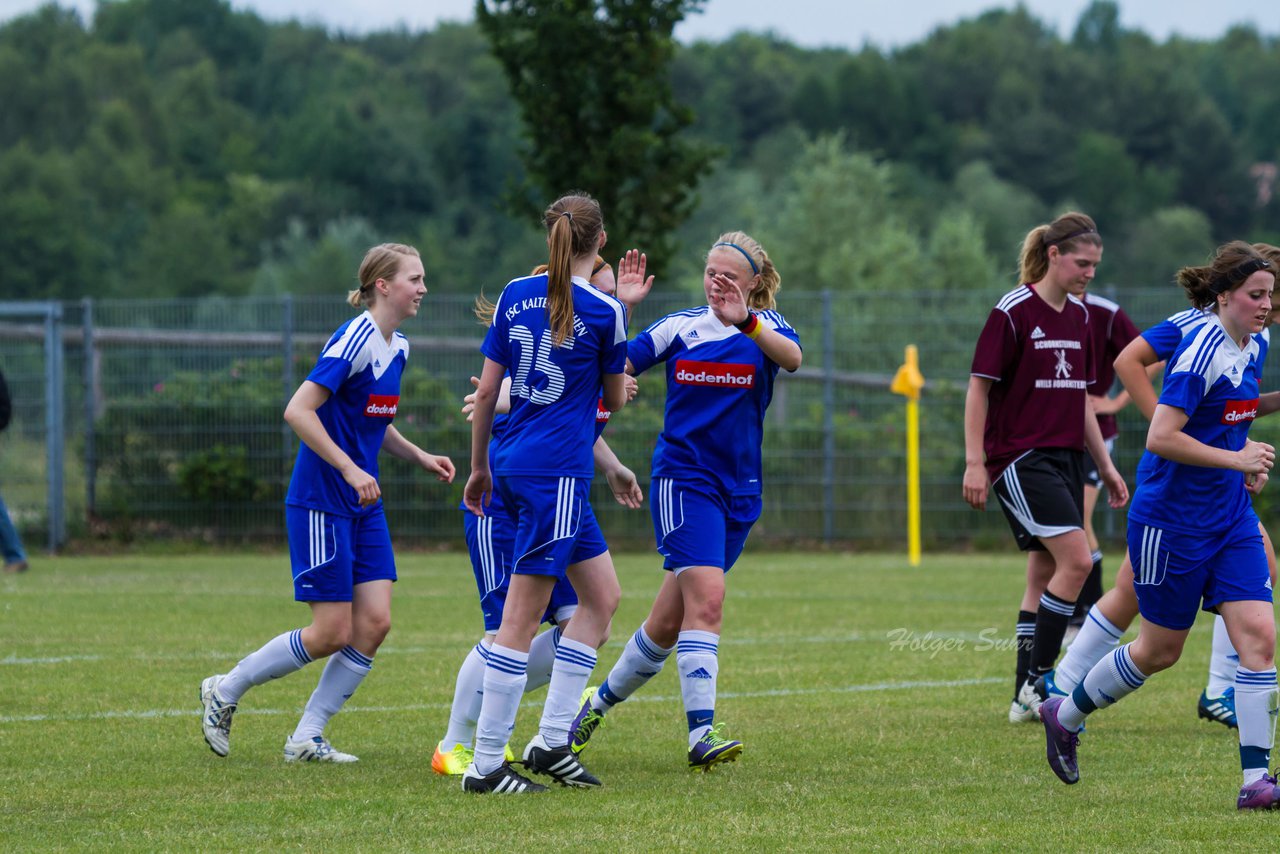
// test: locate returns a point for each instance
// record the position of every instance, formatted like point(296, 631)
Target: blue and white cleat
point(317, 749)
point(1221, 709)
point(216, 718)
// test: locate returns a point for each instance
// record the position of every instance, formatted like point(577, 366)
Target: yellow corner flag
point(908, 382)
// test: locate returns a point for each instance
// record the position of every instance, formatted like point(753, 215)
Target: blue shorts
point(331, 554)
point(1174, 572)
point(555, 526)
point(490, 542)
point(698, 526)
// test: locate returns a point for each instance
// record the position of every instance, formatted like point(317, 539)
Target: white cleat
point(317, 749)
point(1031, 698)
point(1020, 714)
point(216, 720)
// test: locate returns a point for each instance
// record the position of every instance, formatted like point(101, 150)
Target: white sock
point(1223, 662)
point(1256, 697)
point(542, 659)
point(697, 657)
point(573, 666)
point(504, 677)
point(1110, 680)
point(468, 691)
point(1097, 637)
point(278, 657)
point(342, 675)
point(641, 660)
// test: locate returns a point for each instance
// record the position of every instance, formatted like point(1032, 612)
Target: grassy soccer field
point(871, 698)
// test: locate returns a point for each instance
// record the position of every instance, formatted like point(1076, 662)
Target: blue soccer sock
point(1256, 697)
point(1111, 679)
point(574, 662)
point(504, 678)
point(280, 656)
point(468, 691)
point(641, 660)
point(698, 659)
point(342, 675)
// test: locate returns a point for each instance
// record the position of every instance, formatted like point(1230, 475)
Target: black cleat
point(504, 781)
point(560, 763)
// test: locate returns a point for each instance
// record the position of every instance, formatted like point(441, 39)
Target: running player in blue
point(339, 544)
point(1112, 615)
point(562, 342)
point(721, 363)
point(490, 539)
point(1192, 534)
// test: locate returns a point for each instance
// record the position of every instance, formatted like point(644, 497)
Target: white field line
point(147, 714)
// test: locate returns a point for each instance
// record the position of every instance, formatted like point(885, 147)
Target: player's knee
point(706, 612)
point(373, 630)
point(328, 639)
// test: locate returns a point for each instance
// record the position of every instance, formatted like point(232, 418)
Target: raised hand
point(633, 287)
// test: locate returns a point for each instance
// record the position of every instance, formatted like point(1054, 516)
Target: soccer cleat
point(452, 763)
point(1261, 794)
point(1221, 709)
point(585, 723)
point(1060, 743)
point(1046, 687)
point(559, 763)
point(1020, 714)
point(1031, 695)
point(504, 781)
point(712, 749)
point(216, 721)
point(315, 749)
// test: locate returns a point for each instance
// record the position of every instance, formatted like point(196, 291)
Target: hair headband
point(1231, 278)
point(754, 268)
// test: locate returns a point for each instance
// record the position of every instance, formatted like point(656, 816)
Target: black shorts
point(1042, 495)
point(1091, 476)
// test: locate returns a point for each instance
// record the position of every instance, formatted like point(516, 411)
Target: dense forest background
point(184, 149)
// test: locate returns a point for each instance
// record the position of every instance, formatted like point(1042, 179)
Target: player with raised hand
point(721, 362)
point(339, 544)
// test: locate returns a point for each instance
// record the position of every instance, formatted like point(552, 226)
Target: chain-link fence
point(163, 419)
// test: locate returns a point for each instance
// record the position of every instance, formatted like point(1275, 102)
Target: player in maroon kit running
point(1027, 423)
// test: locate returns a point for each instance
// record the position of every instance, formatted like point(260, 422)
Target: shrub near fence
point(174, 429)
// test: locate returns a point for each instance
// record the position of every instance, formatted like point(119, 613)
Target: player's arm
point(1166, 438)
point(480, 484)
point(976, 402)
point(395, 444)
point(1137, 363)
point(1117, 490)
point(1268, 403)
point(615, 392)
point(300, 414)
point(622, 480)
point(502, 407)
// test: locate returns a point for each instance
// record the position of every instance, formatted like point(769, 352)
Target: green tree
point(591, 79)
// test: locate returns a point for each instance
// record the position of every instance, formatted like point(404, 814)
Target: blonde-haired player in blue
point(721, 362)
point(1192, 534)
point(339, 545)
point(565, 346)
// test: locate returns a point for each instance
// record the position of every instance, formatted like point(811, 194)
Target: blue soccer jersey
point(554, 390)
point(1164, 339)
point(1215, 382)
point(719, 384)
point(362, 373)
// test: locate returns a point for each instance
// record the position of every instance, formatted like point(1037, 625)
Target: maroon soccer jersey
point(1041, 365)
point(1110, 331)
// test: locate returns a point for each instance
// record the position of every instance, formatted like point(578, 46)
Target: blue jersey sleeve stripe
point(358, 340)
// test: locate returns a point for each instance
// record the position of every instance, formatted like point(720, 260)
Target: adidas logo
point(1037, 333)
point(377, 364)
point(700, 673)
point(692, 334)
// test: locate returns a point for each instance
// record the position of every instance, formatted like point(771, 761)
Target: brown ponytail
point(574, 224)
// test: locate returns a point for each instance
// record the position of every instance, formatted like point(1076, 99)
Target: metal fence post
point(828, 421)
point(90, 410)
point(286, 379)
point(55, 427)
